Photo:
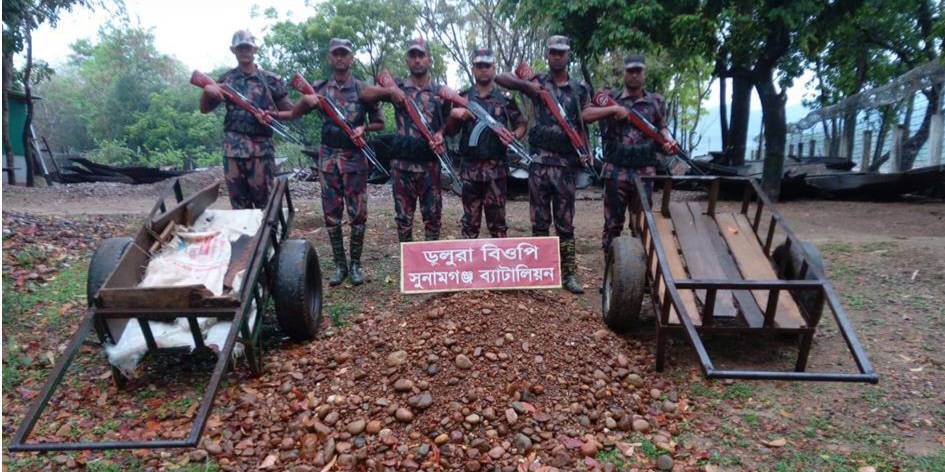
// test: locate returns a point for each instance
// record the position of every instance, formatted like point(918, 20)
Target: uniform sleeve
point(516, 118)
point(660, 114)
point(584, 98)
point(277, 88)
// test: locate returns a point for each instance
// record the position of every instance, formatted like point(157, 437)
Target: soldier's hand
point(438, 143)
point(311, 101)
point(214, 91)
point(586, 160)
point(533, 89)
point(461, 114)
point(506, 136)
point(398, 97)
point(264, 117)
point(669, 145)
point(357, 133)
point(620, 113)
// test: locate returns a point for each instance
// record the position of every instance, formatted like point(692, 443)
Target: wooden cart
point(709, 270)
point(286, 270)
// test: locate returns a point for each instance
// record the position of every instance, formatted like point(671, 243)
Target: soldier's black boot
point(338, 255)
point(569, 279)
point(357, 245)
point(408, 238)
point(431, 235)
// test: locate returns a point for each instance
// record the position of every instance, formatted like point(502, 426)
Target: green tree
point(20, 18)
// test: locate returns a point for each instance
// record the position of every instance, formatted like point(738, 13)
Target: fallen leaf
point(571, 443)
point(780, 442)
point(268, 462)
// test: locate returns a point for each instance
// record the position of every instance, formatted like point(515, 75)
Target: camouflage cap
point(483, 56)
point(417, 44)
point(243, 37)
point(559, 43)
point(634, 61)
point(340, 43)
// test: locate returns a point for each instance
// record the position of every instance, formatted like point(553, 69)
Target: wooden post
point(896, 151)
point(790, 150)
point(935, 139)
point(800, 150)
point(813, 145)
point(867, 150)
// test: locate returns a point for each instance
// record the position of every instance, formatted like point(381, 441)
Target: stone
point(403, 385)
point(522, 443)
point(396, 358)
point(601, 334)
point(511, 416)
point(664, 462)
point(635, 380)
point(609, 423)
point(589, 449)
point(669, 407)
point(403, 415)
point(472, 419)
point(441, 439)
point(422, 401)
point(373, 427)
point(463, 362)
point(641, 426)
point(496, 452)
point(356, 427)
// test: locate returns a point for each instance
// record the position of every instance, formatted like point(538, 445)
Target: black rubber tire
point(793, 268)
point(624, 280)
point(103, 262)
point(297, 289)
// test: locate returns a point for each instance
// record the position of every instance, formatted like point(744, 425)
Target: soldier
point(485, 168)
point(343, 168)
point(248, 152)
point(627, 151)
point(551, 176)
point(415, 171)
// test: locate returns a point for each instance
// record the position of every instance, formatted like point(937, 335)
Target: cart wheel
point(793, 269)
point(103, 262)
point(297, 289)
point(624, 278)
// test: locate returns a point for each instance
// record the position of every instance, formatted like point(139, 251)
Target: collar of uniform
point(493, 91)
point(409, 82)
point(625, 96)
point(548, 78)
point(346, 84)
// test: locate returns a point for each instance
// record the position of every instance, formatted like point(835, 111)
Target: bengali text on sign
point(480, 264)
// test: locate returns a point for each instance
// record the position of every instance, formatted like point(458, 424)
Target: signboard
point(480, 264)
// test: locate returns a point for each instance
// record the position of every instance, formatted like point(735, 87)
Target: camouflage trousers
point(249, 180)
point(488, 197)
point(551, 195)
point(342, 190)
point(410, 187)
point(618, 193)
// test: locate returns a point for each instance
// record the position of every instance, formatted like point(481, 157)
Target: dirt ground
point(885, 260)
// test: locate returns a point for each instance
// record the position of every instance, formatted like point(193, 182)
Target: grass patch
point(340, 310)
point(647, 447)
point(613, 456)
point(42, 303)
point(739, 392)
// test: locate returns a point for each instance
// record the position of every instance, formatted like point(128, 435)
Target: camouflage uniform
point(485, 170)
point(554, 168)
point(627, 152)
point(417, 177)
point(248, 151)
point(344, 171)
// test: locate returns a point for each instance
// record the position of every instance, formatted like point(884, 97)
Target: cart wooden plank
point(699, 256)
point(754, 265)
point(187, 296)
point(664, 228)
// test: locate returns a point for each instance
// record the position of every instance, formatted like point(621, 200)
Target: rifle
point(680, 163)
point(420, 121)
point(485, 120)
point(334, 113)
point(524, 72)
point(202, 80)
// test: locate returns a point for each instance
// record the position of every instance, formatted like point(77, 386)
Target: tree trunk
point(27, 90)
point(7, 84)
point(775, 123)
point(723, 112)
point(912, 144)
point(738, 126)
